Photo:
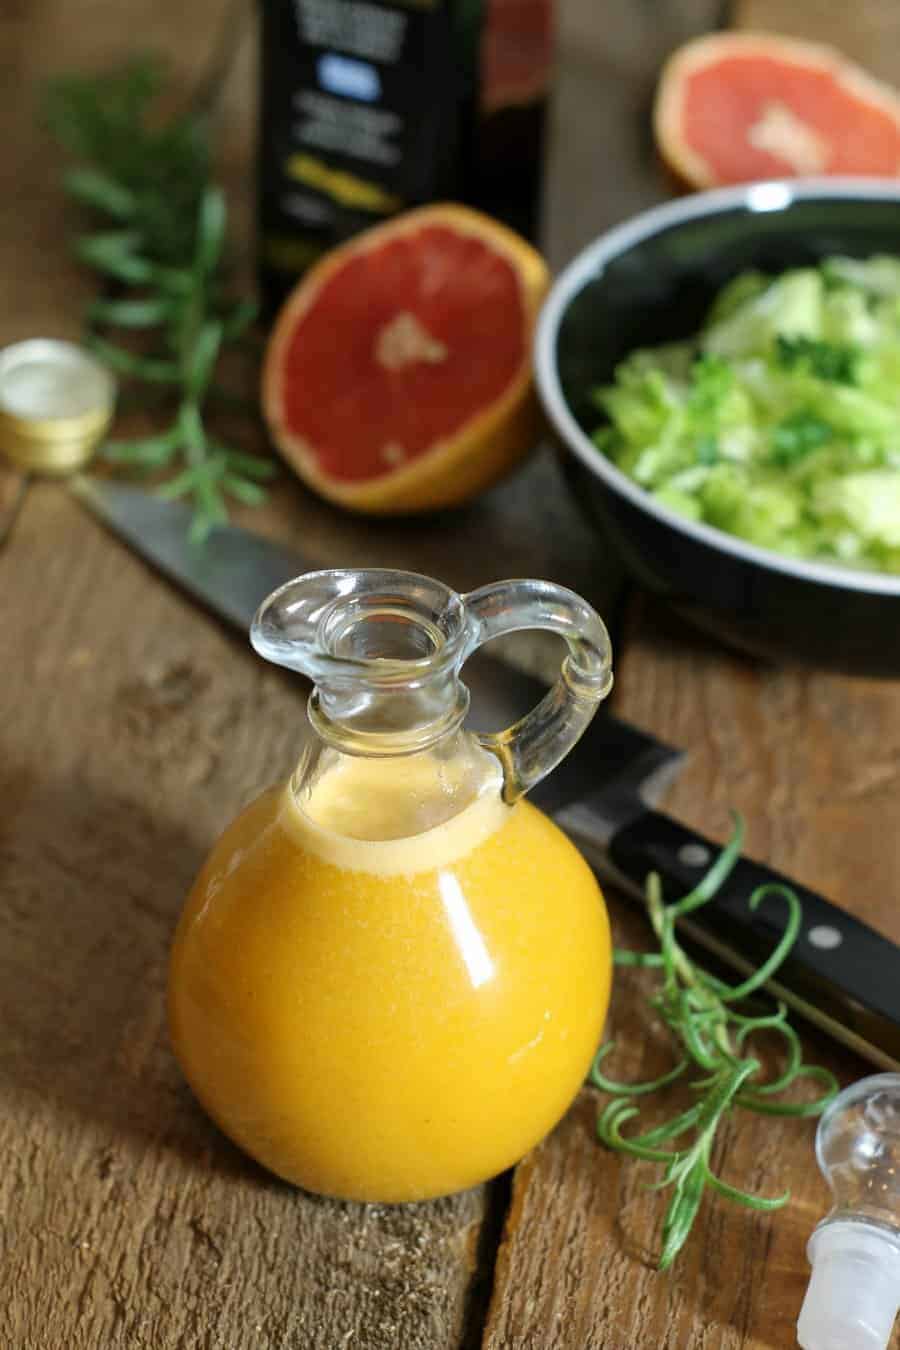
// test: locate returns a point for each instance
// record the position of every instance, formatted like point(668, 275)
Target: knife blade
point(842, 975)
point(231, 573)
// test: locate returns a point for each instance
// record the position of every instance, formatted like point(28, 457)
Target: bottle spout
point(383, 649)
point(854, 1290)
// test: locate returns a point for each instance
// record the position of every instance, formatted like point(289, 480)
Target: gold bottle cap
point(56, 402)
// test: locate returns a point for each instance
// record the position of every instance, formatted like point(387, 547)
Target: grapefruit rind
point(684, 160)
point(477, 454)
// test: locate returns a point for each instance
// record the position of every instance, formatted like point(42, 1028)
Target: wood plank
point(811, 761)
point(185, 1243)
point(13, 486)
point(133, 728)
point(602, 165)
point(868, 31)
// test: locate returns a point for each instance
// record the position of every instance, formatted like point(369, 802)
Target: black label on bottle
point(371, 106)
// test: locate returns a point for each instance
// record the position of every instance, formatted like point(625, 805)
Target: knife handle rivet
point(694, 855)
point(825, 937)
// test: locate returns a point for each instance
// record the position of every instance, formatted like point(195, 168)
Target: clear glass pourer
point(854, 1290)
point(384, 650)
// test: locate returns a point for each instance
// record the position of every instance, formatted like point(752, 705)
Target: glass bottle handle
point(532, 747)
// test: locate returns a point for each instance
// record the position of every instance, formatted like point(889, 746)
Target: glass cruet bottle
point(854, 1290)
point(392, 972)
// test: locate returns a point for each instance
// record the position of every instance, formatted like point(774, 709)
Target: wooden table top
point(132, 727)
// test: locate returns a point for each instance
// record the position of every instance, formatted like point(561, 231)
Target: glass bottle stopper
point(854, 1290)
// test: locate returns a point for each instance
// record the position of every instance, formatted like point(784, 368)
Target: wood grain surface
point(125, 723)
point(132, 727)
point(868, 32)
point(133, 730)
point(812, 761)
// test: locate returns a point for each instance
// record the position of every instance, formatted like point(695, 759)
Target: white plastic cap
point(854, 1289)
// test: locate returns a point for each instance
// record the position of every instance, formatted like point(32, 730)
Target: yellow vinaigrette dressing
point(387, 982)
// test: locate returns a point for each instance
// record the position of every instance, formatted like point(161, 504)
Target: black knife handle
point(841, 973)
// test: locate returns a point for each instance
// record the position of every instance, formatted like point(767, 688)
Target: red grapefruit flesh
point(738, 107)
point(398, 375)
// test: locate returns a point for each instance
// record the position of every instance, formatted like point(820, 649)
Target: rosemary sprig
point(712, 1036)
point(161, 253)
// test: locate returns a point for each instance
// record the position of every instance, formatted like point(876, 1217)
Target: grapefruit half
point(398, 374)
point(738, 107)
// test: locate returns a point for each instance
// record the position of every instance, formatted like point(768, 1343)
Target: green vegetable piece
point(712, 380)
point(868, 503)
point(640, 404)
point(826, 360)
point(797, 435)
point(792, 386)
point(878, 276)
point(608, 440)
point(761, 510)
point(682, 503)
point(745, 286)
point(790, 305)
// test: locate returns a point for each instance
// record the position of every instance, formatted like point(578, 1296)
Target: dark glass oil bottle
point(372, 106)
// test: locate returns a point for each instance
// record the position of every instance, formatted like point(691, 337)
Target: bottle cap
point(854, 1289)
point(56, 403)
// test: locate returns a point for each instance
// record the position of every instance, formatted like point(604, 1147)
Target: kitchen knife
point(841, 975)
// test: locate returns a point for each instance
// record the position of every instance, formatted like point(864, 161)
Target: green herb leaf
point(93, 188)
point(251, 494)
point(147, 451)
point(152, 177)
point(744, 1197)
point(210, 231)
point(130, 313)
point(714, 878)
point(202, 358)
point(114, 253)
point(251, 466)
point(244, 314)
point(633, 1089)
point(710, 1033)
point(124, 362)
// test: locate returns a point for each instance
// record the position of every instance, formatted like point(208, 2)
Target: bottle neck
point(366, 798)
point(384, 650)
point(383, 720)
